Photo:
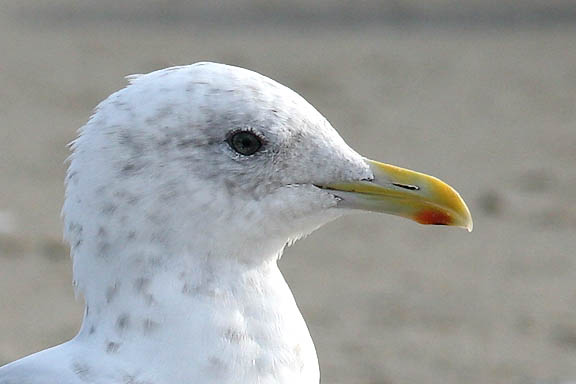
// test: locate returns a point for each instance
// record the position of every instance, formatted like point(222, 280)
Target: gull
point(182, 192)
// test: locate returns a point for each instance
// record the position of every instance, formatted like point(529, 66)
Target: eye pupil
point(245, 143)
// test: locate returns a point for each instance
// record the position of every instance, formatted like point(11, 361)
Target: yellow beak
point(398, 191)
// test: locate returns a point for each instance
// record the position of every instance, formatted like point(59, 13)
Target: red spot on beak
point(433, 217)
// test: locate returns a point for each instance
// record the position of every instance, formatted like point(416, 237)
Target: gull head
point(224, 157)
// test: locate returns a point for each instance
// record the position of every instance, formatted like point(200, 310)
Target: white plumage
point(175, 235)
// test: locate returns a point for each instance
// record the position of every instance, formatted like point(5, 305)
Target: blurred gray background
point(479, 93)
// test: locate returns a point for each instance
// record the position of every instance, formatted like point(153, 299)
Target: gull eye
point(245, 143)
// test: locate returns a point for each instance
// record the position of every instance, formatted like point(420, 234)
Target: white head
point(210, 156)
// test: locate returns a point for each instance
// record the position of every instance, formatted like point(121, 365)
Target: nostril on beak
point(409, 187)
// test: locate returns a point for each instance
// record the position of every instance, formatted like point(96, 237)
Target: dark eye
point(245, 143)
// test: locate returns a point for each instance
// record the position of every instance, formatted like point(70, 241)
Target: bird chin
point(305, 226)
point(307, 209)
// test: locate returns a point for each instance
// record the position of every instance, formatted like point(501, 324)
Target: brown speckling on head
point(189, 289)
point(156, 261)
point(130, 168)
point(123, 322)
point(109, 209)
point(150, 326)
point(112, 347)
point(216, 364)
point(168, 194)
point(235, 336)
point(102, 232)
point(165, 111)
point(230, 186)
point(160, 237)
point(72, 177)
point(112, 291)
point(155, 218)
point(193, 85)
point(103, 249)
point(133, 379)
point(82, 370)
point(101, 189)
point(75, 228)
point(186, 143)
point(126, 197)
point(125, 137)
point(164, 142)
point(141, 284)
point(149, 299)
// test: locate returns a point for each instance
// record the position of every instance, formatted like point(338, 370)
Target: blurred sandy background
point(479, 93)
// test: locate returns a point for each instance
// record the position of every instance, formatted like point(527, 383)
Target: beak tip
point(469, 223)
point(465, 218)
